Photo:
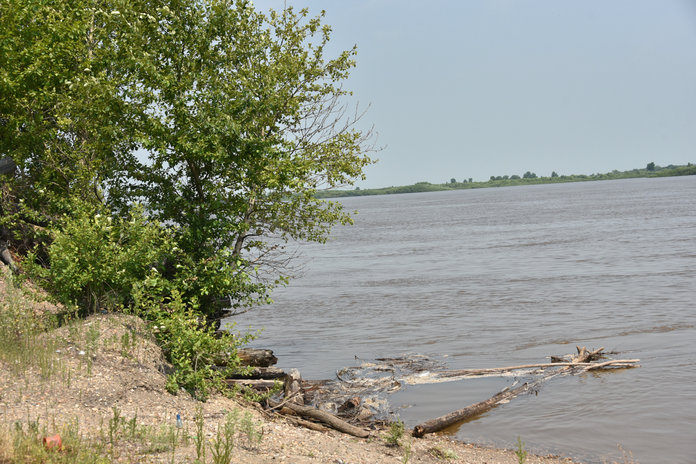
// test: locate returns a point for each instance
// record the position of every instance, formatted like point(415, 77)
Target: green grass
point(124, 440)
point(395, 434)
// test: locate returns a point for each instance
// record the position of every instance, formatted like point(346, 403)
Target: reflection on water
point(494, 277)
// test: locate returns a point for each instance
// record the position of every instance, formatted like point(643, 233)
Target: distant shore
point(514, 180)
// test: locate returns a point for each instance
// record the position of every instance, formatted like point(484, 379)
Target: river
point(504, 276)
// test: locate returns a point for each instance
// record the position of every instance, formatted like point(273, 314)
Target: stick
point(616, 363)
point(494, 370)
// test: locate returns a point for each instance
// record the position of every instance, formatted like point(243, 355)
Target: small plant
point(396, 432)
point(253, 433)
point(115, 424)
point(128, 343)
point(521, 452)
point(223, 444)
point(447, 454)
point(407, 452)
point(199, 439)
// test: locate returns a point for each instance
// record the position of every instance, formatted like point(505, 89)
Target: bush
point(94, 259)
point(187, 339)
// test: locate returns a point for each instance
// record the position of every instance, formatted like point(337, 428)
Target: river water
point(506, 276)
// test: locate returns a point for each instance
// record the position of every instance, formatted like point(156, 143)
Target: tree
point(514, 177)
point(650, 166)
point(554, 174)
point(221, 120)
point(529, 175)
point(62, 112)
point(453, 181)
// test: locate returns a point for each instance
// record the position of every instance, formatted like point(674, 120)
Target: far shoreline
point(512, 181)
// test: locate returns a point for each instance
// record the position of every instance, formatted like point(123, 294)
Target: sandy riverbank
point(100, 383)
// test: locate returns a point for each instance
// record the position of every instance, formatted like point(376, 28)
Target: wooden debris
point(266, 373)
point(581, 362)
point(293, 387)
point(325, 418)
point(256, 384)
point(442, 422)
point(257, 357)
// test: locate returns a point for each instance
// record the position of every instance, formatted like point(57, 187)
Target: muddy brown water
point(497, 277)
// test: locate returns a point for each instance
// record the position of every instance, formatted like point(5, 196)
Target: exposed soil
point(111, 361)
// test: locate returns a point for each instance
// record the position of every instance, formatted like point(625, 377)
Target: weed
point(396, 432)
point(253, 433)
point(447, 454)
point(407, 452)
point(115, 424)
point(520, 451)
point(223, 444)
point(199, 439)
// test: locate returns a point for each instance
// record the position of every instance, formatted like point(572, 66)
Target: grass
point(395, 434)
point(124, 440)
point(31, 346)
point(520, 452)
point(23, 336)
point(446, 454)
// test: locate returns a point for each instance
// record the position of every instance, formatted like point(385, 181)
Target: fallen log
point(583, 360)
point(497, 370)
point(442, 422)
point(261, 373)
point(325, 418)
point(256, 384)
point(256, 357)
point(308, 424)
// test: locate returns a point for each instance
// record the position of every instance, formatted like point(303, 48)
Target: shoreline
point(100, 384)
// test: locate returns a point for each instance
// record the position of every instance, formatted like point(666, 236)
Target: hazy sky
point(474, 88)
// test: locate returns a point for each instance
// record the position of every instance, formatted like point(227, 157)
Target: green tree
point(529, 175)
point(245, 123)
point(650, 166)
point(554, 174)
point(62, 112)
point(221, 120)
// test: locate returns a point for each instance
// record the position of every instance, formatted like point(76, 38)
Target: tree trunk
point(442, 422)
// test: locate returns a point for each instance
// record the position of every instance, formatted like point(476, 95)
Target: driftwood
point(442, 422)
point(308, 424)
point(497, 370)
point(581, 362)
point(257, 357)
point(256, 384)
point(258, 373)
point(323, 417)
point(293, 387)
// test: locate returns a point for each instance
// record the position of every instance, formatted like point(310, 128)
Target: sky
point(474, 88)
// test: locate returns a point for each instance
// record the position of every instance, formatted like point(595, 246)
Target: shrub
point(187, 339)
point(95, 259)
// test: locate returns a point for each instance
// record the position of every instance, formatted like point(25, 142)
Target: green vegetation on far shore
point(651, 170)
